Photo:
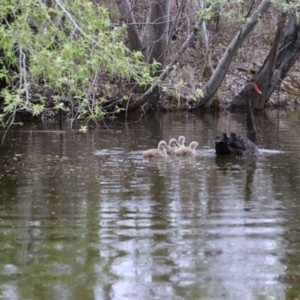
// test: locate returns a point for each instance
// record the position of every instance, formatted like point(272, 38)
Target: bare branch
point(221, 69)
point(167, 69)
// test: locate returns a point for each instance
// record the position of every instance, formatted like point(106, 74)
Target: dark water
point(82, 216)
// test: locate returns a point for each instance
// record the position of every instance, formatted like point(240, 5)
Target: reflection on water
point(85, 217)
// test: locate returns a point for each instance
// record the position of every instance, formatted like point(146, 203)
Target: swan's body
point(235, 145)
point(159, 152)
point(238, 144)
point(187, 151)
point(172, 147)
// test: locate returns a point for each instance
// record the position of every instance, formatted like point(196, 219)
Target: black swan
point(187, 151)
point(159, 152)
point(238, 144)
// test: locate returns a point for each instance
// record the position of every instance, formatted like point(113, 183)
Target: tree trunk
point(155, 38)
point(145, 97)
point(175, 23)
point(134, 41)
point(208, 69)
point(223, 65)
point(277, 64)
point(159, 18)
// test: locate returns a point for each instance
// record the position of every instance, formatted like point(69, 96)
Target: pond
point(83, 216)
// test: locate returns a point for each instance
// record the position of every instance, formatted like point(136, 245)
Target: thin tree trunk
point(134, 41)
point(222, 68)
point(172, 29)
point(208, 69)
point(160, 14)
point(146, 35)
point(278, 63)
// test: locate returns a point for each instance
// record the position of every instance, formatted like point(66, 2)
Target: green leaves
point(287, 6)
point(71, 49)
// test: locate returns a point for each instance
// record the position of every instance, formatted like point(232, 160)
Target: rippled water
point(83, 216)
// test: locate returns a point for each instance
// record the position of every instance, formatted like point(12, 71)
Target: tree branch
point(167, 69)
point(223, 65)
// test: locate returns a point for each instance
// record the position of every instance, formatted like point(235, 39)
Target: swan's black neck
point(251, 129)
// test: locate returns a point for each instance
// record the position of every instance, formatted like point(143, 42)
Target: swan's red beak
point(257, 90)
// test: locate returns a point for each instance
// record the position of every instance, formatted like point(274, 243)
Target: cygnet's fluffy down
point(159, 152)
point(187, 151)
point(172, 147)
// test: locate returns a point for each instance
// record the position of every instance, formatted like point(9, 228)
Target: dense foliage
point(64, 57)
point(69, 57)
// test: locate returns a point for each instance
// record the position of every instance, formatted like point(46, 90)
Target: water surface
point(83, 216)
